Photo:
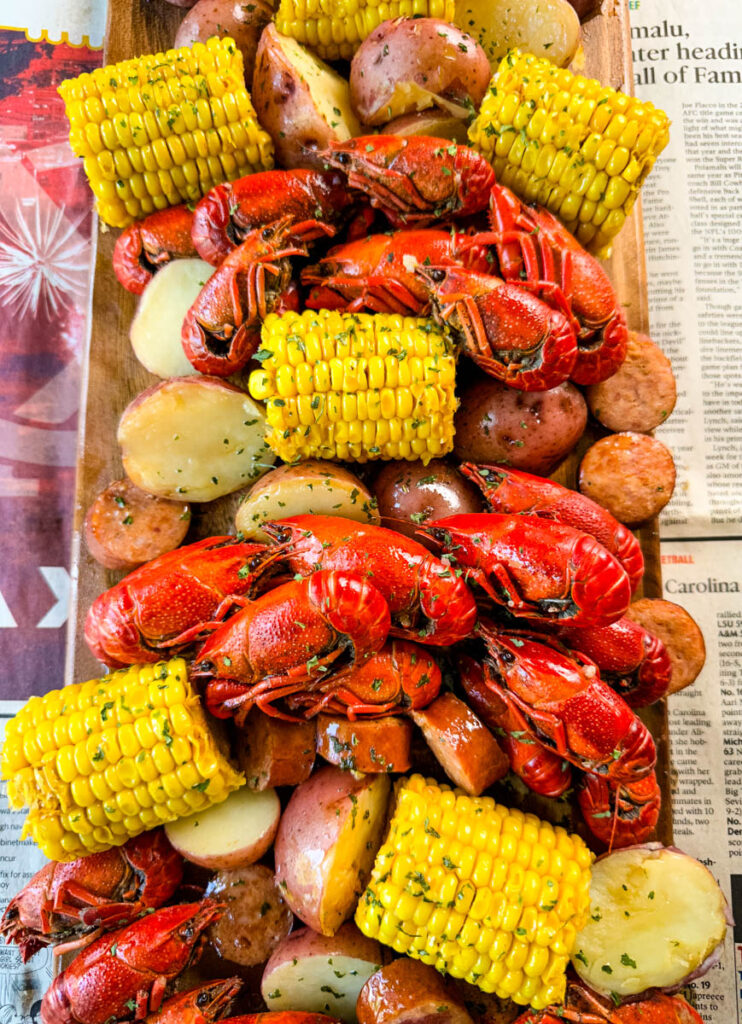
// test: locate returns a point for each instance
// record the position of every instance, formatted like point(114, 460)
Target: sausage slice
point(678, 631)
point(642, 392)
point(408, 992)
point(630, 474)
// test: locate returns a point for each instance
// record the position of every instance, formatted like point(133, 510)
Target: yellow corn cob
point(163, 129)
point(355, 386)
point(336, 28)
point(483, 893)
point(99, 762)
point(569, 143)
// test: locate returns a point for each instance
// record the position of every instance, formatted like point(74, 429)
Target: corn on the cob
point(483, 893)
point(569, 143)
point(163, 129)
point(101, 761)
point(356, 386)
point(336, 28)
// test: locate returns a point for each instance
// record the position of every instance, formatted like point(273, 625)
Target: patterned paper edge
point(44, 37)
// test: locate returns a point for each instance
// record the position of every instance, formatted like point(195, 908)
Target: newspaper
point(688, 61)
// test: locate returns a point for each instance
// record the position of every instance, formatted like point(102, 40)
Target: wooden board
point(112, 376)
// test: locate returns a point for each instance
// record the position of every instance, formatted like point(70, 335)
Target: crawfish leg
point(549, 724)
point(386, 181)
point(508, 586)
point(71, 898)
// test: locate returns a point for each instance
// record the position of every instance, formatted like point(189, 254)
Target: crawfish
point(623, 813)
point(70, 905)
point(124, 974)
point(376, 273)
point(416, 180)
point(512, 492)
point(221, 330)
point(510, 333)
point(536, 569)
point(145, 247)
point(202, 1005)
point(537, 766)
point(532, 244)
point(561, 701)
point(634, 662)
point(399, 677)
point(426, 599)
point(585, 1007)
point(169, 601)
point(314, 201)
point(288, 641)
point(284, 1017)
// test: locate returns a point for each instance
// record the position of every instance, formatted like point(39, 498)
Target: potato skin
point(244, 22)
point(410, 495)
point(407, 991)
point(431, 55)
point(532, 430)
point(286, 109)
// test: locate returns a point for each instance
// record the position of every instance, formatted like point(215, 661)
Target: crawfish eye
point(437, 275)
point(267, 233)
point(203, 999)
point(342, 158)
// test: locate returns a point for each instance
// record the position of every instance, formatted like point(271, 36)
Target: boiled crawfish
point(512, 492)
point(561, 701)
point(536, 569)
point(284, 1017)
point(510, 333)
point(221, 330)
point(399, 677)
point(620, 813)
point(314, 201)
point(169, 601)
point(540, 768)
point(586, 1008)
point(288, 641)
point(376, 273)
point(124, 974)
point(634, 662)
point(202, 1005)
point(145, 247)
point(426, 599)
point(70, 905)
point(416, 180)
point(533, 245)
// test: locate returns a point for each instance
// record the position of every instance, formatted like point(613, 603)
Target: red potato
point(326, 843)
point(193, 439)
point(407, 991)
point(181, 3)
point(232, 834)
point(533, 431)
point(641, 394)
point(244, 22)
point(410, 64)
point(632, 475)
point(300, 101)
point(467, 751)
point(125, 526)
point(272, 752)
point(256, 918)
point(410, 494)
point(370, 745)
point(680, 634)
point(318, 973)
point(437, 123)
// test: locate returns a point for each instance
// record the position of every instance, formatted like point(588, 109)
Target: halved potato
point(410, 64)
point(326, 844)
point(320, 488)
point(300, 101)
point(657, 918)
point(320, 974)
point(437, 123)
point(549, 28)
point(155, 329)
point(193, 439)
point(231, 834)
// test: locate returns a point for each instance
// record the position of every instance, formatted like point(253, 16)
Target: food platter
point(112, 375)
